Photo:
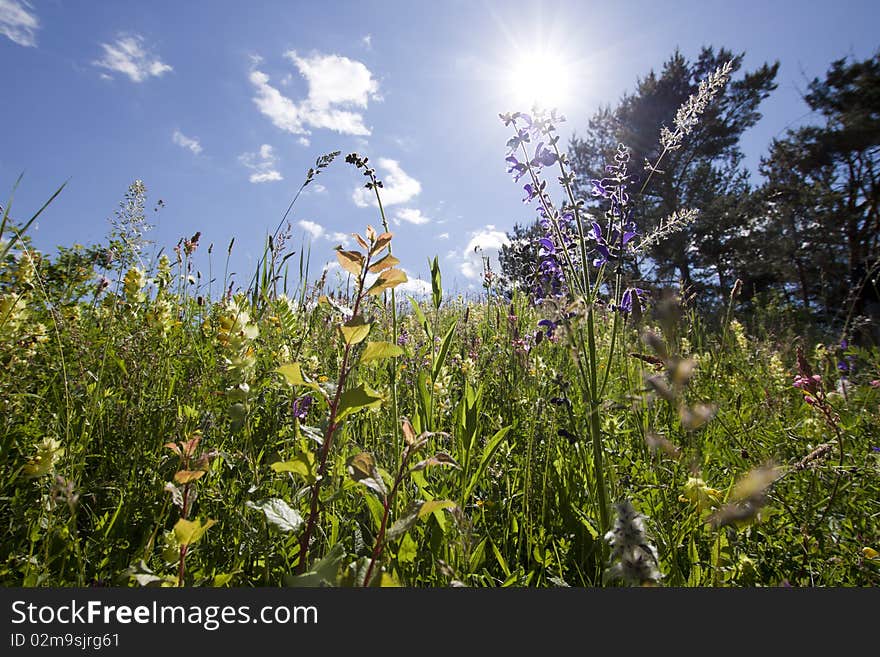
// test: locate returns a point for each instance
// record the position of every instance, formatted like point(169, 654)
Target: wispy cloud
point(129, 56)
point(338, 88)
point(186, 142)
point(18, 22)
point(397, 186)
point(263, 164)
point(410, 215)
point(443, 236)
point(484, 243)
point(367, 41)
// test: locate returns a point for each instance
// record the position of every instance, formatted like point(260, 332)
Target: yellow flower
point(697, 492)
point(49, 451)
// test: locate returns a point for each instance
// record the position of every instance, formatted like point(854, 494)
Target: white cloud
point(410, 215)
point(262, 163)
point(17, 23)
point(443, 236)
point(304, 141)
point(283, 112)
point(397, 186)
point(129, 57)
point(186, 142)
point(367, 41)
point(484, 243)
point(314, 229)
point(337, 87)
point(317, 231)
point(414, 286)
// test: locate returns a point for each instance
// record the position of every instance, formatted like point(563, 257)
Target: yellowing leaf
point(409, 434)
point(188, 532)
point(381, 242)
point(362, 468)
point(434, 505)
point(355, 330)
point(351, 261)
point(187, 476)
point(379, 350)
point(387, 262)
point(440, 458)
point(387, 280)
point(870, 553)
point(361, 241)
point(292, 373)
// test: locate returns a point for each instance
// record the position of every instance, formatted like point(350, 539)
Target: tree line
point(805, 235)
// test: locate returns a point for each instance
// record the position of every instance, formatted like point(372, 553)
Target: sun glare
point(540, 78)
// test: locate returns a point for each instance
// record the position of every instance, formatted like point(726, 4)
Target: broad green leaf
point(188, 532)
point(355, 330)
point(292, 373)
point(387, 262)
point(362, 468)
point(351, 261)
point(387, 280)
point(279, 513)
point(302, 464)
point(403, 524)
point(323, 573)
point(408, 549)
point(356, 399)
point(380, 350)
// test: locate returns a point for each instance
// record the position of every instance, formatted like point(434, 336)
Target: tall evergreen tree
point(705, 173)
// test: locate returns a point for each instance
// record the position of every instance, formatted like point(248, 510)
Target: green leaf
point(444, 351)
point(421, 317)
point(380, 350)
point(355, 330)
point(387, 280)
point(188, 532)
point(408, 549)
point(436, 288)
point(279, 513)
point(302, 464)
point(488, 452)
point(356, 399)
point(362, 468)
point(323, 573)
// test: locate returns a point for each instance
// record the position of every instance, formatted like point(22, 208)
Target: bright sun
point(540, 78)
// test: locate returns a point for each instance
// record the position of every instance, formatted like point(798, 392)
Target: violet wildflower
point(301, 407)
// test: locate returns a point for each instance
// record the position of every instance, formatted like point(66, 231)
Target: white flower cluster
point(633, 558)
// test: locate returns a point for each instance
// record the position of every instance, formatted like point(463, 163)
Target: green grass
point(115, 377)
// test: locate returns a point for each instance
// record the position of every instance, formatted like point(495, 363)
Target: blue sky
point(220, 108)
